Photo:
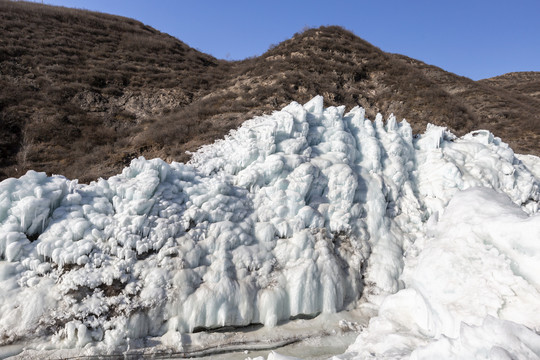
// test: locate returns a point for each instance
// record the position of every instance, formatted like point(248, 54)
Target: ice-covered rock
point(304, 211)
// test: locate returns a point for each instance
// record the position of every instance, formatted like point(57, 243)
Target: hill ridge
point(81, 100)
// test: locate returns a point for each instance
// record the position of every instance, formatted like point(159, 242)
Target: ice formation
point(305, 211)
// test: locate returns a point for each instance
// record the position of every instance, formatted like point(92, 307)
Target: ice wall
point(303, 211)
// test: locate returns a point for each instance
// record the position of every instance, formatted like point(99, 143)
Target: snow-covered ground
point(432, 241)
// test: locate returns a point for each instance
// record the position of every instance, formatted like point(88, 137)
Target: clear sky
point(473, 38)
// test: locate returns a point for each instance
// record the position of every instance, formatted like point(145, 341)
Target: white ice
point(305, 211)
point(471, 287)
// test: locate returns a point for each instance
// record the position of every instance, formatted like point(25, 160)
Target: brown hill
point(75, 84)
point(509, 113)
point(82, 93)
point(524, 83)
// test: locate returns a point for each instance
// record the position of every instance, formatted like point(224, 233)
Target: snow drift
point(301, 212)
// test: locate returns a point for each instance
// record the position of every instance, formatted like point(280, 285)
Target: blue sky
point(477, 39)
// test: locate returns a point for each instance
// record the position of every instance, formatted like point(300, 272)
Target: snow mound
point(471, 287)
point(304, 211)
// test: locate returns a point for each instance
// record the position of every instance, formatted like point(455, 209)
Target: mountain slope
point(506, 111)
point(83, 93)
point(525, 83)
point(76, 83)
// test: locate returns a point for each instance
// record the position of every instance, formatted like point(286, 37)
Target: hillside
point(76, 84)
point(524, 83)
point(83, 93)
point(507, 108)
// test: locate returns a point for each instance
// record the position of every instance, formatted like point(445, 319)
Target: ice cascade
point(303, 211)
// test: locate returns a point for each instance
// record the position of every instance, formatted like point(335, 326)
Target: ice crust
point(304, 211)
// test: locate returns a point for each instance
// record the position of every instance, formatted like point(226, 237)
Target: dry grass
point(82, 93)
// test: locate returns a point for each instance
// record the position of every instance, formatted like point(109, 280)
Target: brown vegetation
point(76, 84)
point(525, 83)
point(82, 93)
